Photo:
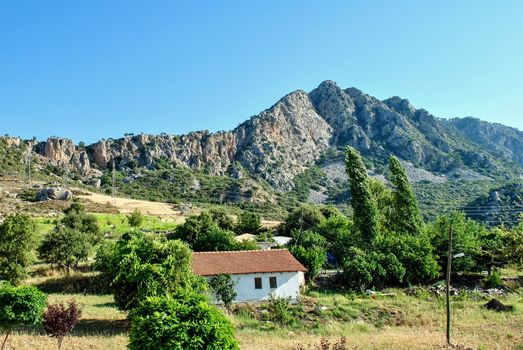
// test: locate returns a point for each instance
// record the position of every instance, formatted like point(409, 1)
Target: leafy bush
point(139, 266)
point(493, 279)
point(362, 270)
point(135, 219)
point(248, 222)
point(17, 242)
point(310, 249)
point(223, 288)
point(64, 247)
point(280, 310)
point(305, 217)
point(60, 320)
point(20, 306)
point(180, 321)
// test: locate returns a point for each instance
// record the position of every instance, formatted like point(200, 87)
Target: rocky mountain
point(305, 131)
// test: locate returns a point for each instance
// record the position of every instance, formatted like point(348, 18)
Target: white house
point(257, 273)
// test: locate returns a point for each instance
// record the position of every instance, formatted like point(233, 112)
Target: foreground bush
point(140, 266)
point(181, 321)
point(20, 306)
point(60, 320)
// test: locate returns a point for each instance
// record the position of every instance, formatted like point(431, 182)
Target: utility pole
point(449, 263)
point(113, 185)
point(28, 161)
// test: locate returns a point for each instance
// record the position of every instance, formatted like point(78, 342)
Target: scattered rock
point(497, 305)
point(54, 193)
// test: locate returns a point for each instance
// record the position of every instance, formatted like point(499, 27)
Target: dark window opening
point(272, 282)
point(257, 283)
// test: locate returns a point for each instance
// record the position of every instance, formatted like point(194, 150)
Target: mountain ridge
point(298, 133)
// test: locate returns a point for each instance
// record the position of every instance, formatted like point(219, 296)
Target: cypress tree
point(405, 215)
point(363, 204)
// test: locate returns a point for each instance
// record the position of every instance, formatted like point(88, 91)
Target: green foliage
point(19, 306)
point(77, 219)
point(362, 202)
point(141, 266)
point(493, 279)
point(248, 222)
point(215, 239)
point(310, 249)
point(305, 217)
point(466, 239)
point(222, 287)
point(64, 247)
point(312, 178)
point(193, 227)
point(280, 310)
point(135, 219)
point(222, 219)
point(405, 217)
point(17, 243)
point(362, 270)
point(178, 322)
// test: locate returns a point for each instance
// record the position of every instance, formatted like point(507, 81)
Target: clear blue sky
point(93, 69)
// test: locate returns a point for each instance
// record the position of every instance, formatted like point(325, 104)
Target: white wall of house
point(288, 285)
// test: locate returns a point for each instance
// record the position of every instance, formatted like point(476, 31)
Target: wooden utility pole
point(449, 265)
point(113, 184)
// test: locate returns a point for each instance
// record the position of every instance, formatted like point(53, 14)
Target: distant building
point(257, 273)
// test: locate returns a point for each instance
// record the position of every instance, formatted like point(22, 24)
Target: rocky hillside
point(299, 138)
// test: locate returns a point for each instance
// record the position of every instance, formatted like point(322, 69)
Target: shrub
point(139, 266)
point(280, 310)
point(64, 247)
point(17, 242)
point(181, 321)
point(249, 222)
point(19, 306)
point(493, 279)
point(310, 249)
point(223, 288)
point(135, 219)
point(60, 320)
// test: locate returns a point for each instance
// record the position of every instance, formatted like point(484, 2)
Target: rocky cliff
point(284, 140)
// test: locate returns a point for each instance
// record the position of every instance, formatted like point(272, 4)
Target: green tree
point(77, 219)
point(17, 244)
point(20, 306)
point(248, 222)
point(337, 231)
point(141, 266)
point(64, 247)
point(310, 249)
point(363, 205)
point(466, 239)
point(362, 270)
point(194, 226)
point(180, 321)
point(222, 287)
point(305, 217)
point(222, 219)
point(405, 216)
point(135, 219)
point(215, 239)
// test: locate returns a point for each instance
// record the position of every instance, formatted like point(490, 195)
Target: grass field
point(395, 322)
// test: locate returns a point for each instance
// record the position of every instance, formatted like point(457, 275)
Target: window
point(257, 283)
point(272, 282)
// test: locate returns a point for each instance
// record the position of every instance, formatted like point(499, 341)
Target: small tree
point(140, 266)
point(248, 221)
point(135, 219)
point(77, 219)
point(19, 306)
point(17, 243)
point(65, 247)
point(309, 248)
point(60, 320)
point(180, 321)
point(223, 288)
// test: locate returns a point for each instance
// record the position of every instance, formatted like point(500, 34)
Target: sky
point(96, 69)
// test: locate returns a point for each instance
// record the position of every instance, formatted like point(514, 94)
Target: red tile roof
point(245, 261)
